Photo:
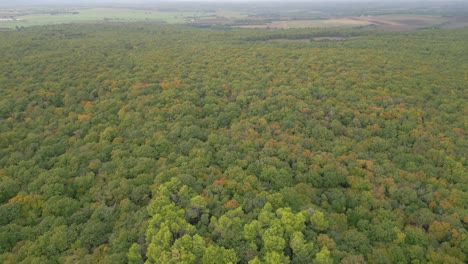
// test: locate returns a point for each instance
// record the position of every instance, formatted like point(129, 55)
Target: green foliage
point(169, 144)
point(318, 221)
point(323, 256)
point(215, 254)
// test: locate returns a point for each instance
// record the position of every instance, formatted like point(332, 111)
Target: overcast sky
point(77, 2)
point(228, 1)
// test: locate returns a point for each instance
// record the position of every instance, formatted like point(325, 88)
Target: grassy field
point(40, 17)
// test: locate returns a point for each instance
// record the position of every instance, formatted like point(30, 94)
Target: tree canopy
point(140, 143)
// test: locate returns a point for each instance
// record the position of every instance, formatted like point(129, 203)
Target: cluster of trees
point(167, 144)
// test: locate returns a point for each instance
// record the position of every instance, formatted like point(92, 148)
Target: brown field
point(396, 22)
point(403, 21)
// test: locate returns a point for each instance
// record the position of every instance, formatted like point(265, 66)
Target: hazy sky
point(77, 2)
point(227, 1)
point(58, 2)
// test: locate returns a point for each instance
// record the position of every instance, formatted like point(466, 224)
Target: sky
point(78, 2)
point(166, 1)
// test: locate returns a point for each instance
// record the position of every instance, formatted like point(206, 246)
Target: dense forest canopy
point(132, 143)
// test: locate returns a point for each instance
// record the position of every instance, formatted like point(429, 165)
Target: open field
point(412, 21)
point(310, 23)
point(12, 19)
point(397, 22)
point(241, 18)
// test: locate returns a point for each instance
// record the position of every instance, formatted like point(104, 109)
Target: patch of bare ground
point(211, 21)
point(328, 39)
point(290, 40)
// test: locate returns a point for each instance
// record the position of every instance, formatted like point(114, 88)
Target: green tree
point(318, 221)
point(215, 254)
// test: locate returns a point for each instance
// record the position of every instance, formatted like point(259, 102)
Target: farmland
point(395, 22)
point(317, 23)
point(229, 16)
point(41, 16)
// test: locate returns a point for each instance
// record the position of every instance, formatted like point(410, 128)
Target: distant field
point(41, 17)
point(405, 21)
point(384, 22)
point(310, 23)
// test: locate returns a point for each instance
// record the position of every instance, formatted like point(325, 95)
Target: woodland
point(144, 143)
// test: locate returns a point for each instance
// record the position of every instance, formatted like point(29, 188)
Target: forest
point(145, 143)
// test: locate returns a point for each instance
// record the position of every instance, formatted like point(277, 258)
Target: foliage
point(166, 144)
